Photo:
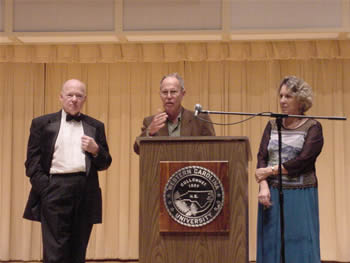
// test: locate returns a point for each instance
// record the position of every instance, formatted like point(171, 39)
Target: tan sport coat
point(190, 126)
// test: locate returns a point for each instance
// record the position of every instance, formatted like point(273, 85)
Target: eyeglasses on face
point(172, 93)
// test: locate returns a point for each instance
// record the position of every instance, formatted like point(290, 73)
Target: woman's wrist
point(263, 184)
point(273, 170)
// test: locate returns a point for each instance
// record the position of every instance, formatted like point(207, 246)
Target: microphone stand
point(278, 117)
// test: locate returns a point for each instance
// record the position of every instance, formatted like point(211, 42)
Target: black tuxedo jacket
point(43, 134)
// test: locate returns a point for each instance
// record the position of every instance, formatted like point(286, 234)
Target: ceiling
point(124, 21)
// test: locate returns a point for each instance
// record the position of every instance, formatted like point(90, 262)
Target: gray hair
point(174, 75)
point(300, 89)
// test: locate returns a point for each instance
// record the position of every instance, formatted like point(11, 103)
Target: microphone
point(197, 109)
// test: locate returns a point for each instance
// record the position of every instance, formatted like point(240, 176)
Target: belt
point(70, 174)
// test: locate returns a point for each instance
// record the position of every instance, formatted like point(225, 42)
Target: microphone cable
point(234, 123)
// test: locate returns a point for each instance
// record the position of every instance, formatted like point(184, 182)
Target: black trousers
point(64, 224)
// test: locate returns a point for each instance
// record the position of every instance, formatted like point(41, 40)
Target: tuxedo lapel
point(49, 138)
point(90, 131)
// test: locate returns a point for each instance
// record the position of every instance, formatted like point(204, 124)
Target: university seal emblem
point(193, 196)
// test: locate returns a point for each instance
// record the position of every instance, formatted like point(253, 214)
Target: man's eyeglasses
point(172, 93)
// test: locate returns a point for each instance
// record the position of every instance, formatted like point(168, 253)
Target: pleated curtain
point(123, 87)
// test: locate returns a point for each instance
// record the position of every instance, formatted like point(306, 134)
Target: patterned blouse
point(300, 149)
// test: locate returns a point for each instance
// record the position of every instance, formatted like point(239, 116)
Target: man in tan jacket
point(175, 120)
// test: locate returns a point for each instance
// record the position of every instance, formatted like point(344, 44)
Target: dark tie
point(73, 117)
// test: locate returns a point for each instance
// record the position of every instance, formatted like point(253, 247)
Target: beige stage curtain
point(123, 87)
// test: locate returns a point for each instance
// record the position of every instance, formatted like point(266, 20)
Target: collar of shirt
point(174, 129)
point(64, 117)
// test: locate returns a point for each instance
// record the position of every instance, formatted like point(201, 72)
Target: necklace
point(294, 124)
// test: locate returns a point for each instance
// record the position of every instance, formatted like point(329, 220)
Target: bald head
point(74, 83)
point(73, 95)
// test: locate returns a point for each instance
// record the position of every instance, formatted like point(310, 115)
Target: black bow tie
point(73, 117)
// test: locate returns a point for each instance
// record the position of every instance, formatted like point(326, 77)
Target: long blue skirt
point(302, 228)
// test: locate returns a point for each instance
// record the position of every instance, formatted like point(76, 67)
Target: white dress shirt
point(68, 156)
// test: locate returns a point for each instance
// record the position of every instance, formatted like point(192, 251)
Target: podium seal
point(193, 196)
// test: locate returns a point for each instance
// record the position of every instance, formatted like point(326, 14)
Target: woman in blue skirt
point(302, 142)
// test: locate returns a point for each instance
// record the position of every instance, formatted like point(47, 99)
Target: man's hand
point(89, 145)
point(157, 123)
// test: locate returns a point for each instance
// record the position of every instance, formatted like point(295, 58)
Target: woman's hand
point(262, 173)
point(264, 195)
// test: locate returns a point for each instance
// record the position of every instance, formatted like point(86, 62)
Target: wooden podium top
point(196, 138)
point(193, 138)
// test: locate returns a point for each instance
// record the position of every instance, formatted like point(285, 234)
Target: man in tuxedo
point(174, 120)
point(65, 151)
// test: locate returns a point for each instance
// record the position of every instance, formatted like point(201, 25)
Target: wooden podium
point(200, 246)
